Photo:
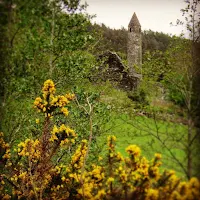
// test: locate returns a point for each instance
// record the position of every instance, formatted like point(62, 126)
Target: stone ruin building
point(114, 70)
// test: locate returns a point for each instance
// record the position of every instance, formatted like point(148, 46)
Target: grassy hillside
point(150, 127)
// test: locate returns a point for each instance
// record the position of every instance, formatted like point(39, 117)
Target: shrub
point(35, 170)
point(140, 98)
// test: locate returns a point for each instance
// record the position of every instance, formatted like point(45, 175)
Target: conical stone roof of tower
point(134, 21)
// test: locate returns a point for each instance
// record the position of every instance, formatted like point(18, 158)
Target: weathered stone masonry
point(134, 46)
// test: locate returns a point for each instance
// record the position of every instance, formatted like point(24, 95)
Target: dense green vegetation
point(34, 170)
point(41, 40)
point(116, 40)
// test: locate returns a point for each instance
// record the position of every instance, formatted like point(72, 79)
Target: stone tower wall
point(134, 46)
point(134, 50)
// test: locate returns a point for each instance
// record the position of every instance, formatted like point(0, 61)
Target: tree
point(192, 23)
point(43, 39)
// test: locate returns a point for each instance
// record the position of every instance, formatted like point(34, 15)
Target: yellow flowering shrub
point(34, 171)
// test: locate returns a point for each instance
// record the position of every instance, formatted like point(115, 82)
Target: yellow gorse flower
point(48, 89)
point(38, 174)
point(158, 156)
point(152, 194)
point(133, 150)
point(110, 180)
point(70, 96)
point(78, 158)
point(30, 148)
point(65, 111)
point(37, 121)
point(63, 134)
point(50, 102)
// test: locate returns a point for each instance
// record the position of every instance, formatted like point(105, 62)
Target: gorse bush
point(35, 170)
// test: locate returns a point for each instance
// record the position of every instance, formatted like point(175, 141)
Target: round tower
point(134, 46)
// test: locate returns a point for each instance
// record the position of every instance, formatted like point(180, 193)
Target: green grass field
point(151, 136)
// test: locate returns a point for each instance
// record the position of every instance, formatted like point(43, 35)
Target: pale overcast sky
point(152, 14)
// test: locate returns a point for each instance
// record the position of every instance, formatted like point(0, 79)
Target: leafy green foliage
point(43, 39)
point(178, 77)
point(139, 97)
point(152, 41)
point(116, 40)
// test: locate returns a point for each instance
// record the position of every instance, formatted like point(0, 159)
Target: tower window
point(130, 29)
